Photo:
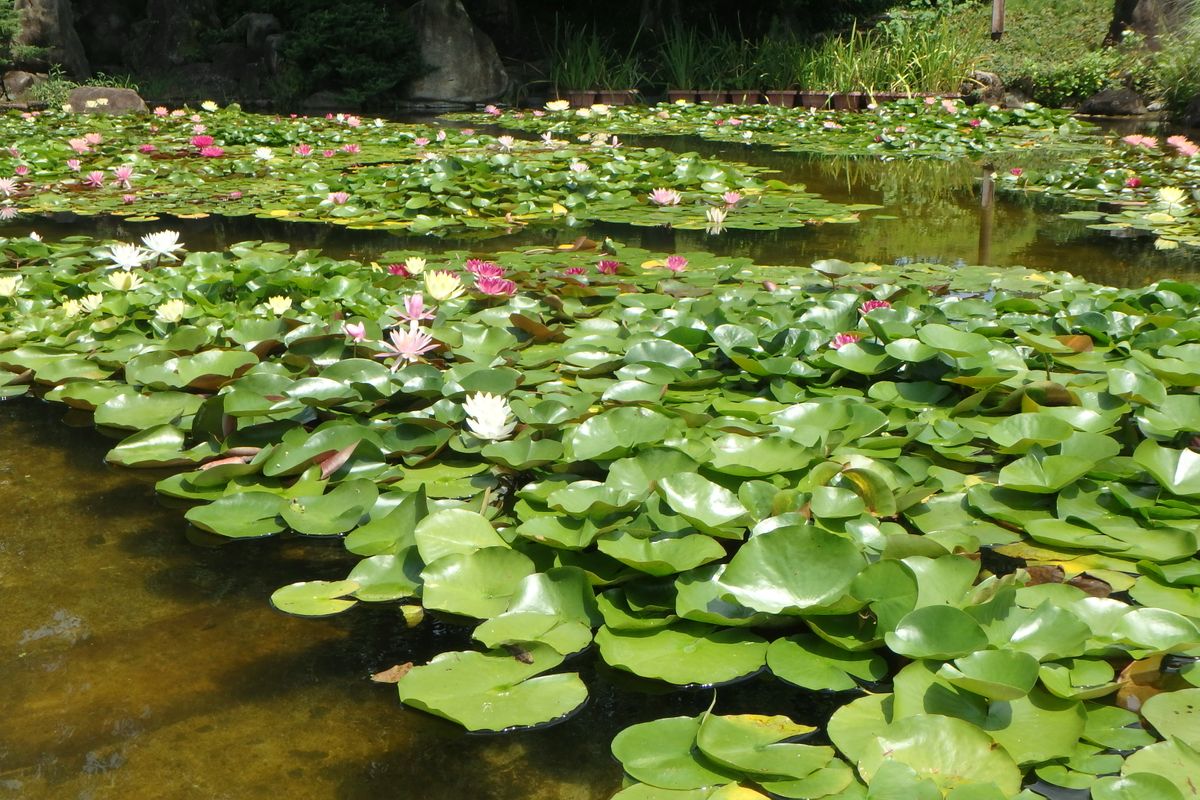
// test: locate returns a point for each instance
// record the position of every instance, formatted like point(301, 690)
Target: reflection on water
point(138, 665)
point(930, 212)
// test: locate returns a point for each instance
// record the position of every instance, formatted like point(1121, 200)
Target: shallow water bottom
point(138, 664)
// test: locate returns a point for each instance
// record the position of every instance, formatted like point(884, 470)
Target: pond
point(142, 656)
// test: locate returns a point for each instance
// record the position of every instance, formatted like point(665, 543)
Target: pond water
point(139, 662)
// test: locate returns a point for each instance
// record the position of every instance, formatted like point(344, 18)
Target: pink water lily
point(79, 146)
point(8, 213)
point(93, 138)
point(8, 187)
point(202, 141)
point(1016, 172)
point(1133, 183)
point(350, 148)
point(414, 308)
point(843, 339)
point(146, 148)
point(665, 197)
point(731, 198)
point(1137, 140)
point(574, 271)
point(160, 111)
point(871, 305)
point(484, 269)
point(608, 267)
point(357, 331)
point(303, 150)
point(74, 164)
point(212, 152)
point(94, 179)
point(406, 346)
point(398, 269)
point(676, 263)
point(328, 153)
point(491, 285)
point(21, 170)
point(421, 141)
point(338, 198)
point(123, 175)
point(128, 199)
point(1183, 145)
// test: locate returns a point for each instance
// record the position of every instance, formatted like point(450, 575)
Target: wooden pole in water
point(997, 19)
point(987, 206)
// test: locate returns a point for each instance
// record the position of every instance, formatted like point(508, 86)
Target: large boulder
point(462, 62)
point(50, 25)
point(17, 82)
point(1120, 102)
point(983, 87)
point(105, 100)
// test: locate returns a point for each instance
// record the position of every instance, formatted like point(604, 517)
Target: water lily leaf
point(662, 554)
point(615, 433)
point(811, 663)
point(751, 456)
point(393, 532)
point(948, 751)
point(330, 514)
point(1175, 715)
point(388, 577)
point(792, 570)
point(493, 691)
point(1136, 786)
point(299, 448)
point(756, 746)
point(137, 412)
point(246, 515)
point(952, 341)
point(710, 507)
point(160, 446)
point(1018, 433)
point(854, 726)
point(315, 598)
point(207, 371)
point(685, 653)
point(663, 753)
point(1035, 728)
point(1173, 760)
point(523, 453)
point(454, 530)
point(556, 607)
point(1177, 471)
point(476, 584)
point(994, 674)
point(936, 632)
point(700, 597)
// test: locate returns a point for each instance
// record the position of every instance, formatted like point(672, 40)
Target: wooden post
point(997, 19)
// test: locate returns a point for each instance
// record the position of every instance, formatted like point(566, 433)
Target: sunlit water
point(139, 663)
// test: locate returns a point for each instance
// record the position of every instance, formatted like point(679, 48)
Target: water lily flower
point(871, 305)
point(93, 138)
point(558, 105)
point(91, 302)
point(491, 285)
point(665, 197)
point(264, 153)
point(160, 111)
point(842, 339)
point(492, 110)
point(489, 416)
point(94, 179)
point(328, 153)
point(350, 148)
point(35, 236)
point(202, 141)
point(415, 265)
point(146, 148)
point(484, 269)
point(123, 175)
point(21, 170)
point(8, 186)
point(179, 112)
point(1016, 172)
point(235, 195)
point(126, 256)
point(79, 145)
point(716, 215)
point(303, 149)
point(506, 142)
point(337, 198)
point(600, 109)
point(407, 346)
point(10, 285)
point(1137, 140)
point(830, 125)
point(1133, 182)
point(8, 213)
point(676, 263)
point(443, 284)
point(124, 281)
point(1183, 145)
point(441, 136)
point(171, 311)
point(414, 308)
point(579, 167)
point(199, 129)
point(128, 198)
point(212, 152)
point(209, 105)
point(421, 141)
point(608, 267)
point(71, 308)
point(1172, 198)
point(357, 331)
point(732, 198)
point(398, 269)
point(975, 123)
point(163, 243)
point(574, 271)
point(548, 139)
point(279, 305)
point(74, 164)
point(949, 106)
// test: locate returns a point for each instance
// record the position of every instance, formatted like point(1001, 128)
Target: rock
point(463, 64)
point(50, 24)
point(254, 28)
point(17, 82)
point(1120, 102)
point(273, 57)
point(983, 87)
point(1150, 18)
point(105, 100)
point(1015, 98)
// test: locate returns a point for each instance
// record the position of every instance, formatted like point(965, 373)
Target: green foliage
point(362, 49)
point(55, 89)
point(1173, 68)
point(583, 58)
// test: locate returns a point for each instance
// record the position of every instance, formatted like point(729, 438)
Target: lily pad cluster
point(968, 499)
point(346, 171)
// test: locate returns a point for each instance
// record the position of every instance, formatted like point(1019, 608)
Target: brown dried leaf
point(392, 674)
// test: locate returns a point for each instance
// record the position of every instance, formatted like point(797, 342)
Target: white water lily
point(279, 304)
point(171, 311)
point(264, 153)
point(10, 285)
point(716, 215)
point(558, 105)
point(91, 302)
point(506, 142)
point(489, 416)
point(415, 265)
point(209, 105)
point(123, 280)
point(1173, 199)
point(443, 285)
point(127, 256)
point(600, 109)
point(163, 243)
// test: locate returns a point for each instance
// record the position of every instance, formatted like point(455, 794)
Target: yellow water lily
point(558, 105)
point(123, 281)
point(10, 285)
point(443, 285)
point(279, 304)
point(171, 311)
